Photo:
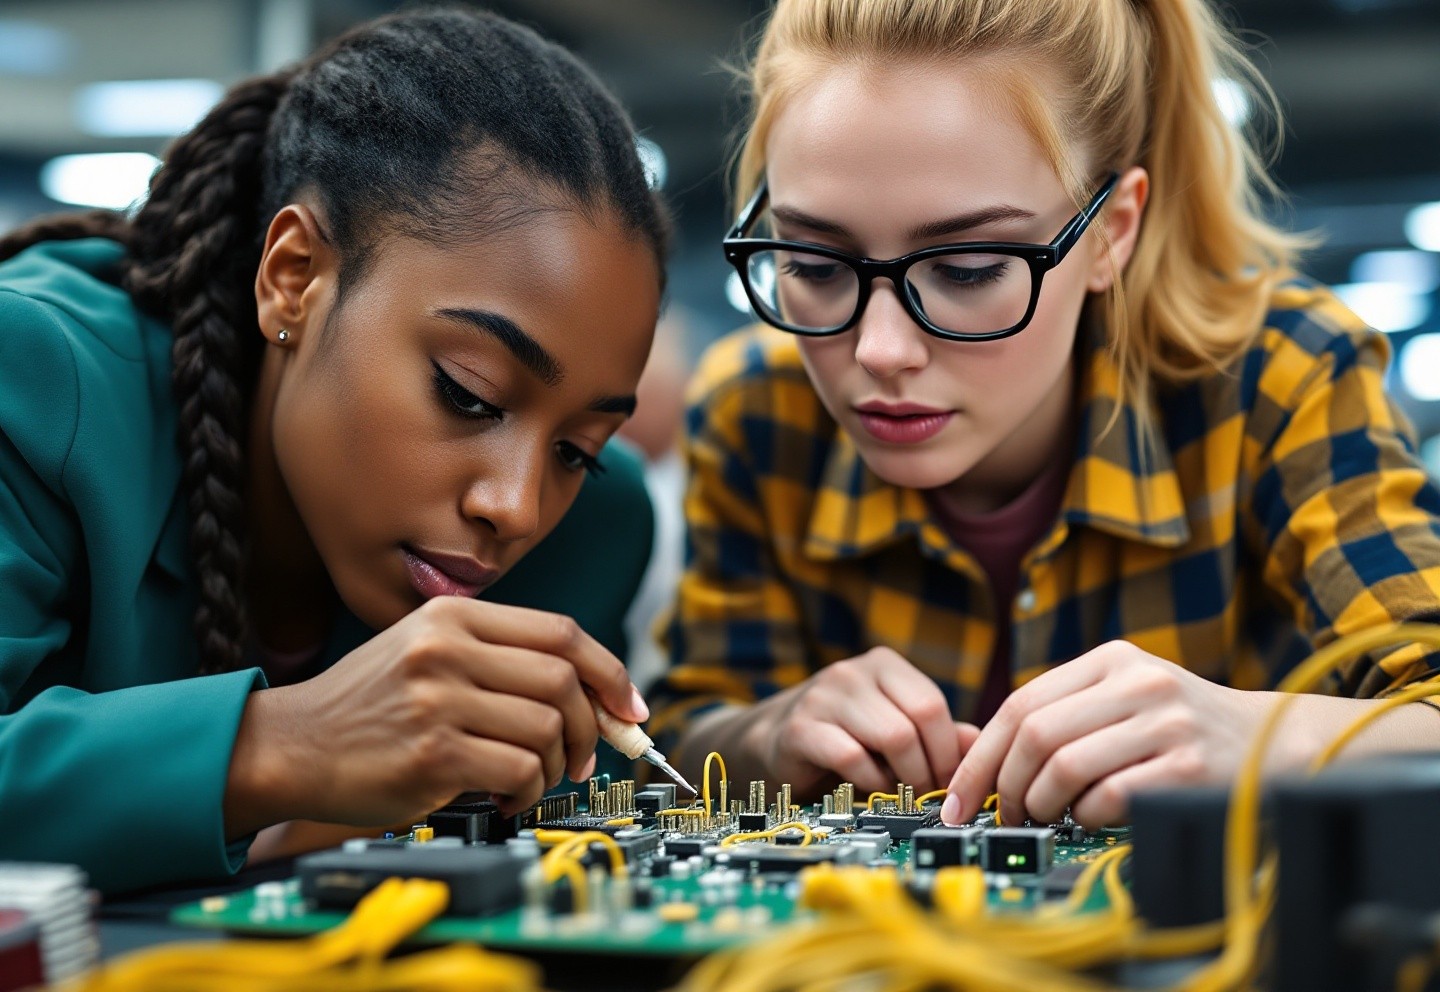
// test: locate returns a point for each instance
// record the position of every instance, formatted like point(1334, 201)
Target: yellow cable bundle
point(349, 958)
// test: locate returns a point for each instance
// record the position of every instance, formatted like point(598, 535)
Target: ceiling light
point(1419, 270)
point(144, 108)
point(1234, 101)
point(1420, 367)
point(1422, 226)
point(1386, 306)
point(112, 179)
point(735, 293)
point(29, 48)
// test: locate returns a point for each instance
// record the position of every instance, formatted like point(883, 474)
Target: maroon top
point(998, 540)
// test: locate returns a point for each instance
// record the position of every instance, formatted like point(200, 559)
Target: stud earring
point(283, 336)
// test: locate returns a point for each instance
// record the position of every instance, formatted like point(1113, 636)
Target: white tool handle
point(625, 737)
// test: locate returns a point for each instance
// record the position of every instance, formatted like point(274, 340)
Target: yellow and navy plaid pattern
point(1281, 505)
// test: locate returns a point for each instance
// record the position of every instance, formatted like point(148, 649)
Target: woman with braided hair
point(351, 359)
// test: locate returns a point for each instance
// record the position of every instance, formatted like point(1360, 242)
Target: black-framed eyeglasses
point(971, 291)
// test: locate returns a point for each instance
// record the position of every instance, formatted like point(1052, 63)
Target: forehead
point(904, 137)
point(576, 283)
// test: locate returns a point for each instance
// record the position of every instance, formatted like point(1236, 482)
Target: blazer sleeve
point(128, 784)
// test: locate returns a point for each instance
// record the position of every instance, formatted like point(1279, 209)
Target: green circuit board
point(693, 905)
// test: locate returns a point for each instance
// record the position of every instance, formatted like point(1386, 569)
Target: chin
point(916, 469)
point(375, 605)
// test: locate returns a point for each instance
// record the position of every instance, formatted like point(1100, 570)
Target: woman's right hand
point(460, 695)
point(873, 720)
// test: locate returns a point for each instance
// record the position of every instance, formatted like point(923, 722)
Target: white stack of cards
point(56, 898)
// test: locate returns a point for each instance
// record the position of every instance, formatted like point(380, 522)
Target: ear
point(297, 269)
point(1121, 217)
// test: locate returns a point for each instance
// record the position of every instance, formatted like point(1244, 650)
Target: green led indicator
point(1015, 860)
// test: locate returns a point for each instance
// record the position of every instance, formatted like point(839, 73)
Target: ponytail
point(196, 246)
point(192, 252)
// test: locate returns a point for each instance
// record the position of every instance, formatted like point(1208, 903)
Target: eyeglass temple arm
point(1067, 238)
point(751, 211)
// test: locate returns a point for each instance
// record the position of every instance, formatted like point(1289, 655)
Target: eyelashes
point(461, 400)
point(466, 404)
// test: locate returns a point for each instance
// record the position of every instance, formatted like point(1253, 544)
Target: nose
point(889, 341)
point(507, 496)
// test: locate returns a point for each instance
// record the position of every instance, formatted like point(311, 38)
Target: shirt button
point(1026, 600)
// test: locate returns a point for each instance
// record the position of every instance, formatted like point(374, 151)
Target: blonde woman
point(1045, 434)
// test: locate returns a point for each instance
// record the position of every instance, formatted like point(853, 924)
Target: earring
point(283, 336)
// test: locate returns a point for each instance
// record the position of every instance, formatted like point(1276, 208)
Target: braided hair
point(443, 125)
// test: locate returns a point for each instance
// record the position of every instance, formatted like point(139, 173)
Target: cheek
point(353, 452)
point(829, 362)
point(1003, 379)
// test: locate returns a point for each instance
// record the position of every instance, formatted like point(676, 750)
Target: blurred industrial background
point(1359, 81)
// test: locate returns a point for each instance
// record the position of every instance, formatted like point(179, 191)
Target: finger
point(540, 677)
point(1044, 731)
point(830, 748)
point(917, 696)
point(552, 633)
point(880, 726)
point(966, 735)
point(516, 720)
point(1108, 801)
point(512, 775)
point(1082, 764)
point(975, 779)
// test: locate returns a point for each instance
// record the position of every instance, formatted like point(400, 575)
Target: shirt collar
point(1112, 487)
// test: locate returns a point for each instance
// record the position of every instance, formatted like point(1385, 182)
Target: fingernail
point(950, 812)
point(637, 704)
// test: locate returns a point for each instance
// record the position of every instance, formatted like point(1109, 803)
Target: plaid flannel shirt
point(1281, 506)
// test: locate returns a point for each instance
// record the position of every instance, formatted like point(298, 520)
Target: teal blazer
point(113, 753)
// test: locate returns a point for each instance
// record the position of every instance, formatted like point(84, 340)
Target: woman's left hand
point(1089, 733)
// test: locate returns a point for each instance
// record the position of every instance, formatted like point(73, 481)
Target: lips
point(902, 423)
point(435, 573)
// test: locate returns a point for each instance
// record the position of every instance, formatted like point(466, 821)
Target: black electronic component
point(1019, 850)
point(900, 826)
point(767, 858)
point(660, 793)
point(562, 898)
point(482, 880)
point(685, 847)
point(1348, 839)
point(649, 803)
point(644, 896)
point(790, 838)
point(660, 865)
point(938, 847)
point(752, 822)
point(634, 844)
point(576, 824)
point(476, 822)
point(1177, 867)
point(837, 821)
point(1059, 880)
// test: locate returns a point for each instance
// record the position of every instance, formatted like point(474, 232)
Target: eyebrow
point(526, 349)
point(529, 352)
point(931, 229)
